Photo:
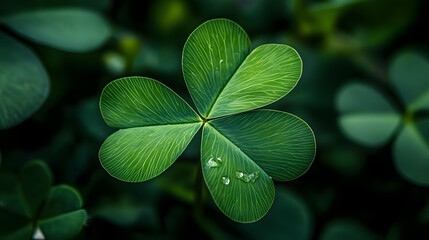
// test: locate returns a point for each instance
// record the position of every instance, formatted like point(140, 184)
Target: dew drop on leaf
point(225, 180)
point(247, 177)
point(214, 162)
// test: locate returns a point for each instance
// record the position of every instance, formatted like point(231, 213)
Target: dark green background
point(347, 182)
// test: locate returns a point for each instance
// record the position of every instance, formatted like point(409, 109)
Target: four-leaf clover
point(242, 150)
point(369, 118)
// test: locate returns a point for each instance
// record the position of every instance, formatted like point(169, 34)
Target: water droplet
point(247, 177)
point(214, 162)
point(225, 180)
point(221, 61)
point(253, 176)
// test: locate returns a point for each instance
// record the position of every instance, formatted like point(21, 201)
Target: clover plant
point(24, 82)
point(370, 118)
point(30, 207)
point(242, 150)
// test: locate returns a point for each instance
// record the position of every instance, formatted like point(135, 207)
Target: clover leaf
point(30, 206)
point(242, 151)
point(67, 28)
point(369, 118)
point(24, 83)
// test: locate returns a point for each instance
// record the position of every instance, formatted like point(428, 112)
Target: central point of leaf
point(408, 117)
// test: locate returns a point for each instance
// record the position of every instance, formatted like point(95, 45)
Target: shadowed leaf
point(367, 116)
point(411, 155)
point(69, 29)
point(24, 83)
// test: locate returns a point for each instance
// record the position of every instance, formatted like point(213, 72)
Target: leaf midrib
point(157, 125)
point(224, 86)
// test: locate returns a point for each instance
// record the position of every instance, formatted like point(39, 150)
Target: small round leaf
point(410, 75)
point(367, 116)
point(411, 155)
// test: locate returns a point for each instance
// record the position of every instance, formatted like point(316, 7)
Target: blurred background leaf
point(69, 29)
point(24, 83)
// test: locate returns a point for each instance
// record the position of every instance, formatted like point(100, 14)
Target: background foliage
point(352, 190)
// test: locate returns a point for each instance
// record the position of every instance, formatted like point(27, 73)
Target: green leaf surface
point(211, 55)
point(223, 79)
point(410, 75)
point(62, 199)
point(11, 198)
point(31, 202)
point(359, 97)
point(280, 143)
point(141, 153)
point(139, 101)
point(423, 127)
point(346, 229)
point(64, 226)
point(370, 129)
point(69, 29)
point(239, 187)
point(36, 181)
point(266, 75)
point(241, 153)
point(289, 218)
point(13, 6)
point(411, 155)
point(367, 116)
point(9, 224)
point(62, 216)
point(24, 83)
